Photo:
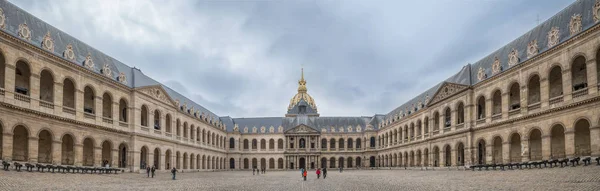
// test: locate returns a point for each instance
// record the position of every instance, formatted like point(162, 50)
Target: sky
point(242, 58)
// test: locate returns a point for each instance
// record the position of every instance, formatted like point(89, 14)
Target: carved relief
point(68, 53)
point(513, 57)
point(48, 43)
point(280, 129)
point(369, 127)
point(553, 37)
point(254, 129)
point(271, 129)
point(575, 24)
point(2, 19)
point(88, 62)
point(496, 66)
point(532, 48)
point(349, 129)
point(332, 129)
point(596, 11)
point(156, 93)
point(323, 130)
point(236, 128)
point(358, 128)
point(107, 71)
point(245, 129)
point(447, 90)
point(341, 129)
point(24, 31)
point(262, 129)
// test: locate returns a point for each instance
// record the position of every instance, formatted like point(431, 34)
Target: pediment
point(157, 92)
point(301, 129)
point(446, 90)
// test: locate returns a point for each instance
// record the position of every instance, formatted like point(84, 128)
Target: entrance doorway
point(302, 163)
point(312, 165)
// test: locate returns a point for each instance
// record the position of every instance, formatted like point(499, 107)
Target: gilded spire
point(302, 83)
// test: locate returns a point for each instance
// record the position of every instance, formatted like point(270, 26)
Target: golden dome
point(302, 95)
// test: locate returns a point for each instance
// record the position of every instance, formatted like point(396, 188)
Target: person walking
point(253, 171)
point(148, 171)
point(318, 173)
point(305, 174)
point(174, 172)
point(301, 172)
point(152, 170)
point(324, 173)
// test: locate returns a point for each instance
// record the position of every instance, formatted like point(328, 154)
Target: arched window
point(372, 142)
point(426, 125)
point(68, 95)
point(358, 143)
point(88, 100)
point(246, 147)
point(168, 123)
point(350, 143)
point(579, 74)
point(323, 143)
point(447, 118)
point(156, 119)
point(280, 144)
point(533, 90)
point(515, 97)
point(144, 118)
point(46, 87)
point(332, 143)
point(436, 121)
point(481, 107)
point(341, 143)
point(2, 70)
point(271, 144)
point(231, 143)
point(254, 144)
point(123, 110)
point(22, 78)
point(555, 80)
point(460, 113)
point(178, 127)
point(263, 144)
point(302, 143)
point(497, 102)
point(107, 106)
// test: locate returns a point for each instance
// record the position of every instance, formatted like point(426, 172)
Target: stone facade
point(54, 110)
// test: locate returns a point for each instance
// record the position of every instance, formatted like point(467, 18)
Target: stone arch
point(20, 143)
point(447, 155)
point(254, 163)
point(481, 107)
point(45, 142)
point(447, 117)
point(156, 155)
point(178, 159)
point(555, 87)
point(481, 151)
point(246, 165)
point(460, 113)
point(144, 116)
point(426, 157)
point(123, 150)
point(533, 89)
point(436, 156)
point(47, 85)
point(89, 95)
point(263, 144)
point(341, 143)
point(144, 154)
point(514, 96)
point(418, 156)
point(88, 151)
point(157, 118)
point(460, 154)
point(332, 162)
point(254, 144)
point(579, 72)
point(107, 147)
point(535, 144)
point(497, 150)
point(271, 163)
point(582, 137)
point(23, 77)
point(515, 147)
point(67, 151)
point(557, 141)
point(332, 143)
point(497, 102)
point(68, 93)
point(185, 160)
point(123, 110)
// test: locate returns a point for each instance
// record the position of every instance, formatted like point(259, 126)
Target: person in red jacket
point(305, 174)
point(318, 173)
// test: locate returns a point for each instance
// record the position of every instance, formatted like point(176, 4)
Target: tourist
point(304, 175)
point(148, 171)
point(253, 171)
point(174, 172)
point(318, 173)
point(153, 169)
point(324, 173)
point(301, 172)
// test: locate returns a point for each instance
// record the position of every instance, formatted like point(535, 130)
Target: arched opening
point(341, 143)
point(192, 159)
point(271, 163)
point(426, 157)
point(46, 86)
point(350, 143)
point(231, 143)
point(246, 165)
point(579, 74)
point(122, 155)
point(199, 161)
point(436, 156)
point(185, 161)
point(332, 162)
point(497, 150)
point(156, 158)
point(372, 161)
point(143, 157)
point(107, 106)
point(350, 162)
point(280, 163)
point(481, 150)
point(418, 156)
point(254, 144)
point(302, 163)
point(332, 143)
point(535, 145)
point(448, 155)
point(178, 159)
point(271, 144)
point(358, 162)
point(123, 111)
point(419, 128)
point(106, 154)
point(231, 163)
point(185, 131)
point(205, 163)
point(447, 118)
point(533, 91)
point(22, 78)
point(460, 154)
point(156, 119)
point(168, 123)
point(460, 113)
point(67, 153)
point(280, 144)
point(20, 144)
point(178, 128)
point(69, 94)
point(582, 138)
point(481, 107)
point(144, 116)
point(497, 102)
point(342, 162)
point(2, 70)
point(246, 147)
point(254, 163)
point(88, 152)
point(372, 142)
point(45, 147)
point(426, 125)
point(358, 143)
point(323, 162)
point(557, 140)
point(323, 144)
point(555, 80)
point(412, 131)
point(515, 97)
point(263, 144)
point(88, 100)
point(515, 148)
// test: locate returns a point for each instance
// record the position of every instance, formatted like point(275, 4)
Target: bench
point(586, 161)
point(5, 165)
point(574, 160)
point(18, 166)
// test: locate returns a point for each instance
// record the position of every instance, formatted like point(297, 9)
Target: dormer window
point(302, 109)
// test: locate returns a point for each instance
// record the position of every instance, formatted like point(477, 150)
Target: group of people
point(151, 171)
point(258, 171)
point(304, 173)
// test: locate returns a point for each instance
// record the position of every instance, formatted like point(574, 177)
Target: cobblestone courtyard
point(578, 178)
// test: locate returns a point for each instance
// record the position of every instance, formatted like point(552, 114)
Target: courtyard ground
point(569, 178)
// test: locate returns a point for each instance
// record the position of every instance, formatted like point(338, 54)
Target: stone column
point(525, 149)
point(569, 142)
point(592, 74)
point(9, 76)
point(115, 158)
point(524, 94)
point(489, 107)
point(544, 89)
point(7, 144)
point(34, 87)
point(489, 154)
point(453, 118)
point(505, 103)
point(97, 156)
point(56, 152)
point(505, 152)
point(595, 140)
point(58, 96)
point(546, 147)
point(78, 150)
point(33, 149)
point(98, 107)
point(567, 84)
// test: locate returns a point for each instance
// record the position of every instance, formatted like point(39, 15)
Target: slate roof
point(318, 123)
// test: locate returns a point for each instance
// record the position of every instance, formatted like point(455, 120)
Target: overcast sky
point(242, 58)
